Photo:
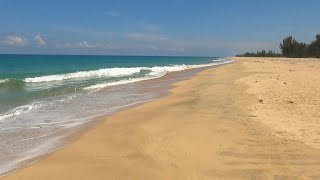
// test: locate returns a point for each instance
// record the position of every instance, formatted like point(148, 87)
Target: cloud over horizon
point(13, 40)
point(40, 40)
point(82, 45)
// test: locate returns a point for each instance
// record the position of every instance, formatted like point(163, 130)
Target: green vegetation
point(290, 47)
point(263, 53)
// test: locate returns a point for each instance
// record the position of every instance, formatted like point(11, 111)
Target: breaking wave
point(155, 72)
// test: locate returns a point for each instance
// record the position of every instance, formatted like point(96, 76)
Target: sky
point(154, 27)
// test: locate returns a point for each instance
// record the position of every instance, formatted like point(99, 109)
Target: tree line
point(291, 48)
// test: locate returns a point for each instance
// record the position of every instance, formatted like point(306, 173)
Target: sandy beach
point(256, 118)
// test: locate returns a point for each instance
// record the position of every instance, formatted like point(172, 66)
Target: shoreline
point(169, 80)
point(204, 128)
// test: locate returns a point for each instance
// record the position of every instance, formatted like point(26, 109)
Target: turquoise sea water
point(44, 99)
point(24, 78)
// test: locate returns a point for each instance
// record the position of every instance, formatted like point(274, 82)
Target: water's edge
point(169, 80)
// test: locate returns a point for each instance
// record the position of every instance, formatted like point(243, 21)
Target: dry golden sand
point(211, 126)
point(290, 90)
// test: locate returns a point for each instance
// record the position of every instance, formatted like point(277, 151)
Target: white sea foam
point(116, 72)
point(156, 72)
point(104, 85)
point(107, 72)
point(35, 105)
point(19, 110)
point(3, 80)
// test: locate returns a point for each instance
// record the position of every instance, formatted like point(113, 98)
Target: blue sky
point(154, 27)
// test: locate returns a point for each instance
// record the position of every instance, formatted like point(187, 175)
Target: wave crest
point(107, 72)
point(3, 80)
point(155, 72)
point(142, 72)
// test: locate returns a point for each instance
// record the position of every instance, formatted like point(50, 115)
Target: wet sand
point(229, 122)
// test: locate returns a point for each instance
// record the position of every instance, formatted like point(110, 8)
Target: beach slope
point(254, 118)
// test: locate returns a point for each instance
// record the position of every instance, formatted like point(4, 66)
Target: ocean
point(44, 99)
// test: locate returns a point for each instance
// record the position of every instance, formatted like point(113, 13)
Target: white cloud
point(147, 37)
point(40, 41)
point(83, 45)
point(15, 40)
